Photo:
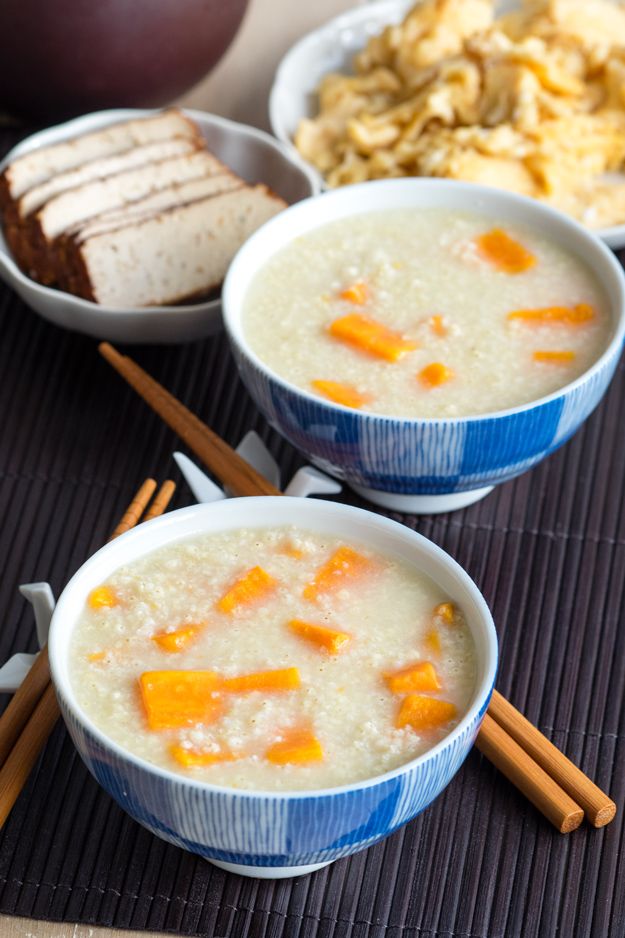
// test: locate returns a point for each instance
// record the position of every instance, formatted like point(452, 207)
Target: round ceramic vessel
point(422, 465)
point(252, 154)
point(272, 834)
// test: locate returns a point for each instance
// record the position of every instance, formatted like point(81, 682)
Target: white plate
point(251, 153)
point(331, 48)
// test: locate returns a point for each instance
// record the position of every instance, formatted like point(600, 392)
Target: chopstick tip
point(604, 815)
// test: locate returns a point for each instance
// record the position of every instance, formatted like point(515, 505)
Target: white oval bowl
point(331, 48)
point(251, 153)
point(272, 834)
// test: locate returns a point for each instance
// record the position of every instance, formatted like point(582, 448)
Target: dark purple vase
point(59, 58)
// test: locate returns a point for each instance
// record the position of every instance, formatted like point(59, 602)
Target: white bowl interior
point(344, 521)
point(331, 48)
point(251, 153)
point(418, 194)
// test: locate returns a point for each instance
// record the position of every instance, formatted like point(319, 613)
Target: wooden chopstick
point(527, 759)
point(33, 711)
point(221, 459)
point(598, 807)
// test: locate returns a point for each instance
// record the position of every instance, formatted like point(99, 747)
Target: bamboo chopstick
point(221, 459)
point(33, 711)
point(598, 807)
point(527, 759)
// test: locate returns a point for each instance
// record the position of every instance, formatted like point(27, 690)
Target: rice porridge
point(272, 659)
point(428, 313)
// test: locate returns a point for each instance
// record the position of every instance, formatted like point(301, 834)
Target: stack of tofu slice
point(136, 214)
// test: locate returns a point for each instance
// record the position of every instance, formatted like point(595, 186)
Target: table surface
point(548, 551)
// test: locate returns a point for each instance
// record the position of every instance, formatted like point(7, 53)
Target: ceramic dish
point(273, 834)
point(252, 154)
point(423, 465)
point(331, 48)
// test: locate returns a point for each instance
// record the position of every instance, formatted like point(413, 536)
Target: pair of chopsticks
point(33, 711)
point(518, 749)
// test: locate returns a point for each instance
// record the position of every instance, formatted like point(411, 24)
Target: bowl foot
point(268, 872)
point(421, 504)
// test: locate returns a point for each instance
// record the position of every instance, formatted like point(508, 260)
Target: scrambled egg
point(532, 101)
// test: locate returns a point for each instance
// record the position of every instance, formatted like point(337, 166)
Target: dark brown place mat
point(548, 551)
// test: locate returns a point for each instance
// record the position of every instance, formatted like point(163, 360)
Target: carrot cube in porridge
point(420, 676)
point(177, 640)
point(374, 338)
point(340, 393)
point(190, 758)
point(357, 293)
point(254, 585)
point(331, 640)
point(423, 713)
point(282, 679)
point(344, 565)
point(180, 698)
point(504, 252)
point(298, 746)
point(102, 597)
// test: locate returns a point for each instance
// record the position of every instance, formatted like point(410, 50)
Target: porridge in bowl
point(426, 313)
point(272, 659)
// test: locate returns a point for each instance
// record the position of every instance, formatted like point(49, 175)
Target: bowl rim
point(95, 120)
point(240, 264)
point(142, 534)
point(375, 11)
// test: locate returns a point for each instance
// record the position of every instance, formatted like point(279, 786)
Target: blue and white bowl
point(272, 834)
point(422, 465)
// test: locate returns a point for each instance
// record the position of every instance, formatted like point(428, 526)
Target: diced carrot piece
point(344, 564)
point(180, 698)
point(330, 639)
point(193, 757)
point(357, 293)
point(345, 394)
point(446, 612)
point(554, 358)
point(424, 713)
point(437, 325)
point(96, 656)
point(280, 679)
point(419, 676)
point(178, 640)
point(298, 746)
point(504, 252)
point(372, 337)
point(566, 315)
point(434, 374)
point(290, 550)
point(432, 642)
point(102, 597)
point(252, 586)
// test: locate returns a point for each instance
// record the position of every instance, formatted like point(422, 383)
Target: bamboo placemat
point(548, 551)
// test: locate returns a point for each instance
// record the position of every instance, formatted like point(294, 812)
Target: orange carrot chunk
point(178, 640)
point(504, 252)
point(357, 293)
point(344, 564)
point(298, 746)
point(96, 656)
point(446, 612)
point(345, 394)
point(180, 698)
point(193, 757)
point(424, 713)
point(290, 550)
point(554, 358)
point(434, 374)
point(102, 597)
point(280, 679)
point(437, 325)
point(566, 315)
point(252, 586)
point(330, 639)
point(432, 642)
point(419, 676)
point(368, 335)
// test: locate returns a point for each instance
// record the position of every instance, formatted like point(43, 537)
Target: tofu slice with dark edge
point(163, 200)
point(175, 255)
point(35, 167)
point(90, 200)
